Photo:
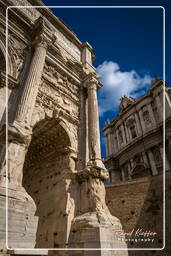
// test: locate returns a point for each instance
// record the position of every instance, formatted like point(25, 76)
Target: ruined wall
point(139, 205)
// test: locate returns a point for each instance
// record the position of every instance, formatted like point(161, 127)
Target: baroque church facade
point(135, 138)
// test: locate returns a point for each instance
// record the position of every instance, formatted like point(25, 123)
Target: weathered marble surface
point(54, 168)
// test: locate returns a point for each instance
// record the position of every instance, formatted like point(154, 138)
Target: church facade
point(135, 138)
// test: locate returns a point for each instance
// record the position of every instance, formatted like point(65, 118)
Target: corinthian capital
point(91, 82)
point(44, 34)
point(41, 40)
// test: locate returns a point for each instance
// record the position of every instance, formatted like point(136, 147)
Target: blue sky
point(128, 44)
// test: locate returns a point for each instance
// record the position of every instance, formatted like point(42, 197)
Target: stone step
point(29, 252)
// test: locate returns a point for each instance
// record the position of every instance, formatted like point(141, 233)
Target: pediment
point(126, 102)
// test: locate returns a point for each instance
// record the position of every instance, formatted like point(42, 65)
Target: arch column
point(19, 131)
point(93, 211)
point(19, 136)
point(92, 84)
point(28, 97)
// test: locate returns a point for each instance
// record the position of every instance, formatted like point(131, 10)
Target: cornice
point(91, 81)
point(133, 143)
point(12, 82)
point(63, 69)
point(131, 107)
point(46, 12)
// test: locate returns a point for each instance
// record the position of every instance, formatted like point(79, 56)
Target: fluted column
point(28, 97)
point(92, 85)
point(19, 131)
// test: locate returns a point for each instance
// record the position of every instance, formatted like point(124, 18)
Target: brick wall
point(139, 205)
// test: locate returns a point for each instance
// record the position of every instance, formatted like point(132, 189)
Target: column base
point(22, 224)
point(96, 230)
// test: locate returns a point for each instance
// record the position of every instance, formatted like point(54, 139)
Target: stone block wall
point(139, 205)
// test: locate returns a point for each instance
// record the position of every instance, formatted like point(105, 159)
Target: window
point(133, 132)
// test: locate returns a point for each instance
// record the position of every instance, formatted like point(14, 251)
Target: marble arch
point(53, 202)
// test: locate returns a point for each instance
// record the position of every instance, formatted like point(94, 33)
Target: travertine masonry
point(139, 205)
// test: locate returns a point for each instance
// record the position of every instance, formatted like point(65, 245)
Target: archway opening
point(44, 177)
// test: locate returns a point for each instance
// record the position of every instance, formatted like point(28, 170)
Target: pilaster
point(151, 114)
point(142, 121)
point(123, 134)
point(139, 130)
point(159, 105)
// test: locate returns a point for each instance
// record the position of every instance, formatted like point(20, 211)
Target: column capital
point(44, 35)
point(91, 82)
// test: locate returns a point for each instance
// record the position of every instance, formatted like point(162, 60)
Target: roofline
point(156, 84)
point(56, 20)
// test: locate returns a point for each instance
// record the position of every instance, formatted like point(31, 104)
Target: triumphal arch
point(51, 162)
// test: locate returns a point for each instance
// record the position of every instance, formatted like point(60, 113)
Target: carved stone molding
point(30, 13)
point(55, 107)
point(44, 35)
point(12, 82)
point(19, 134)
point(16, 134)
point(93, 171)
point(60, 79)
point(91, 82)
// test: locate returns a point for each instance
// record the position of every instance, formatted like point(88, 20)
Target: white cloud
point(117, 83)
